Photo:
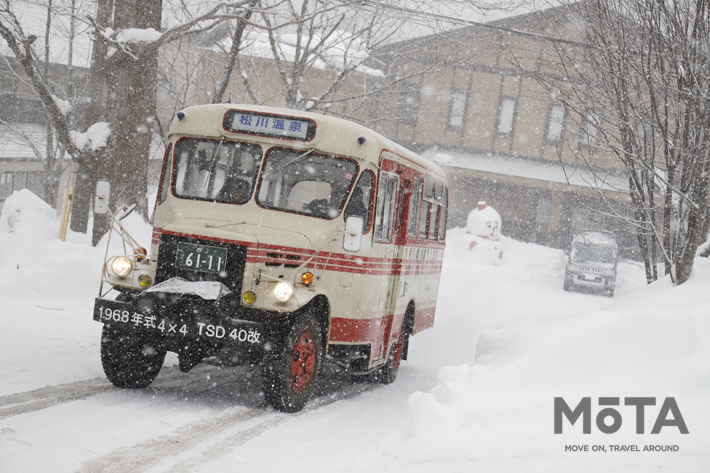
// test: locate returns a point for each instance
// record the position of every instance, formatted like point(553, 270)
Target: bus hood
point(250, 235)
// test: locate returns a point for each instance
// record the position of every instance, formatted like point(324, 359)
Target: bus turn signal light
point(249, 297)
point(307, 279)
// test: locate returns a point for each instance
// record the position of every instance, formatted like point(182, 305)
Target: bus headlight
point(121, 266)
point(283, 291)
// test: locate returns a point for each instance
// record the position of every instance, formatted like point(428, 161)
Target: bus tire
point(387, 373)
point(130, 360)
point(289, 376)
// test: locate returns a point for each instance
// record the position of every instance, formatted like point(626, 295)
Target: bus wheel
point(130, 360)
point(289, 376)
point(388, 373)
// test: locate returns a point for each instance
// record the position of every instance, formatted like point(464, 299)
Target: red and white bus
point(281, 239)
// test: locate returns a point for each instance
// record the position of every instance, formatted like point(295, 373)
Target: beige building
point(478, 100)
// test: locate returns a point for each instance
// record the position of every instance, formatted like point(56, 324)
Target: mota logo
point(668, 416)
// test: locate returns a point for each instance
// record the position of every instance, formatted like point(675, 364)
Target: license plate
point(208, 259)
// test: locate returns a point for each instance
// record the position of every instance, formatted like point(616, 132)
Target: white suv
point(592, 262)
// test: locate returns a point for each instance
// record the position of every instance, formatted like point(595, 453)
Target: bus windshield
point(305, 182)
point(221, 171)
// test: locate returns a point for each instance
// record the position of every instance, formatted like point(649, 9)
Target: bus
point(281, 239)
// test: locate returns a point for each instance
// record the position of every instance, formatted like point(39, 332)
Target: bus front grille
point(232, 275)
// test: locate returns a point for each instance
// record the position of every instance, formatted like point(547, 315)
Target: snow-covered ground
point(477, 393)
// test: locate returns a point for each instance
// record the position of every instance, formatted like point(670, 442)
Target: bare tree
point(308, 55)
point(638, 83)
point(129, 34)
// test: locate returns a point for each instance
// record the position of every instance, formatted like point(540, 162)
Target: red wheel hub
point(303, 362)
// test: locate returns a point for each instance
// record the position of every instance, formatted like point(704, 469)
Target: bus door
point(393, 194)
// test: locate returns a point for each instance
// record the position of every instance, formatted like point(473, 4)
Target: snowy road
point(212, 417)
point(174, 425)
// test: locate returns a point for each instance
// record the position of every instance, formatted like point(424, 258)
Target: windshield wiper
point(213, 163)
point(267, 174)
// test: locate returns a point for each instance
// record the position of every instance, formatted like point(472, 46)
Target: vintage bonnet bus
point(281, 239)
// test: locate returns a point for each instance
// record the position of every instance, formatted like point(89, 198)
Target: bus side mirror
point(353, 233)
point(101, 199)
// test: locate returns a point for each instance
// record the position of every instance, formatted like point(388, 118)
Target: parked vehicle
point(591, 262)
point(281, 239)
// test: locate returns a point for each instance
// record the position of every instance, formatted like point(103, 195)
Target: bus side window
point(423, 218)
point(167, 170)
point(442, 218)
point(414, 203)
point(433, 218)
point(385, 208)
point(429, 185)
point(361, 198)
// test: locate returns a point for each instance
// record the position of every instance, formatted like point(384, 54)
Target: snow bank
point(47, 290)
point(654, 342)
point(27, 218)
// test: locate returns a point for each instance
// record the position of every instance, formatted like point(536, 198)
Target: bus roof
point(332, 134)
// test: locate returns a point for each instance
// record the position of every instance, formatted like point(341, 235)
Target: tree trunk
point(95, 112)
point(131, 78)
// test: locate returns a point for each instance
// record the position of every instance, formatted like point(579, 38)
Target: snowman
point(483, 232)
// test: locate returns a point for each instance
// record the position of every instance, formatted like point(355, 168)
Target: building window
point(5, 185)
point(11, 182)
point(555, 122)
point(409, 104)
point(506, 116)
point(458, 109)
point(589, 134)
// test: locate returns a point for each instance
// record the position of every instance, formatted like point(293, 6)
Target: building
point(479, 101)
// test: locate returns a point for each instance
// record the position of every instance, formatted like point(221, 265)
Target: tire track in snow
point(29, 401)
point(186, 442)
point(209, 440)
point(211, 452)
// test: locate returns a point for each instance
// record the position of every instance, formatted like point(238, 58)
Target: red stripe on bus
point(372, 330)
point(357, 330)
point(424, 319)
point(327, 261)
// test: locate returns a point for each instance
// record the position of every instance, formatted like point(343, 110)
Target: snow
point(207, 290)
point(541, 170)
point(340, 50)
point(138, 35)
point(96, 136)
point(64, 106)
point(476, 394)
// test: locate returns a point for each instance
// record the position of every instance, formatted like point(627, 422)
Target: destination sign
point(292, 128)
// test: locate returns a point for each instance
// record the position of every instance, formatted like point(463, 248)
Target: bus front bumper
point(193, 328)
